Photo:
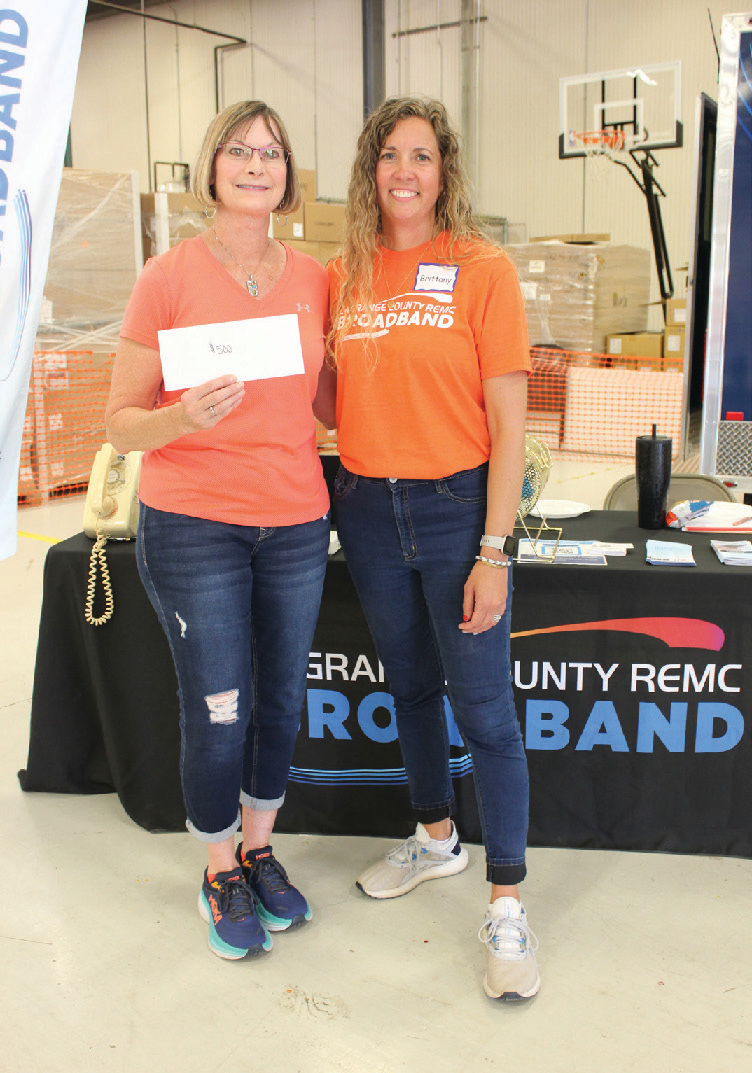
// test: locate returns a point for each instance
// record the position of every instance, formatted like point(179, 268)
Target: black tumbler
point(653, 470)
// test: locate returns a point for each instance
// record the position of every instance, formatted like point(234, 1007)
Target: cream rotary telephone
point(110, 512)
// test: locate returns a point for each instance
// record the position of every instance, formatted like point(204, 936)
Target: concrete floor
point(646, 959)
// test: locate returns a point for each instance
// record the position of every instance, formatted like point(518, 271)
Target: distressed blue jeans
point(410, 545)
point(239, 606)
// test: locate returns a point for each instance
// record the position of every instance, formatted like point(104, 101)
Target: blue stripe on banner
point(21, 205)
point(458, 766)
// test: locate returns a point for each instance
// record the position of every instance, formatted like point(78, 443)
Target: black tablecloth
point(630, 681)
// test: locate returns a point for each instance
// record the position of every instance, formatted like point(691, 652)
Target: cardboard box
point(307, 180)
point(676, 312)
point(581, 240)
point(673, 347)
point(576, 296)
point(322, 252)
point(167, 219)
point(636, 344)
point(673, 341)
point(292, 224)
point(324, 221)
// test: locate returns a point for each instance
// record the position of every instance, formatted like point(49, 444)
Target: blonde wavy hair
point(363, 223)
point(223, 128)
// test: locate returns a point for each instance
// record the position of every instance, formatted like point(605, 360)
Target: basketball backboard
point(635, 108)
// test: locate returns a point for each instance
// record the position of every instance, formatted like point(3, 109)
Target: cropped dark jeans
point(239, 606)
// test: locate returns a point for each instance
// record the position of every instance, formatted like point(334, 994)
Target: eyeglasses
point(268, 154)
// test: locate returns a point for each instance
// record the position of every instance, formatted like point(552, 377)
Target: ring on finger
point(497, 618)
point(212, 411)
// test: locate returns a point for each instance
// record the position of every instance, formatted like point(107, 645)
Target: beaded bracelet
point(500, 564)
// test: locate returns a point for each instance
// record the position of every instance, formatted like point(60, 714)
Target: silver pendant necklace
point(251, 282)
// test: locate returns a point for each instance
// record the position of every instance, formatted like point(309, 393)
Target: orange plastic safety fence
point(582, 405)
point(592, 406)
point(64, 422)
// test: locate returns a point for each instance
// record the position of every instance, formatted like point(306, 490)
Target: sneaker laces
point(406, 852)
point(508, 937)
point(411, 850)
point(268, 870)
point(237, 899)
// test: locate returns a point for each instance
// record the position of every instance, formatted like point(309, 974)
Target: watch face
point(508, 546)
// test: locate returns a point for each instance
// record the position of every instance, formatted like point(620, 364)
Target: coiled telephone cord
point(98, 559)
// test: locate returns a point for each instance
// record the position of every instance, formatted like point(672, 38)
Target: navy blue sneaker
point(278, 904)
point(227, 906)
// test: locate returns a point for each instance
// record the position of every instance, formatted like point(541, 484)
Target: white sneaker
point(414, 861)
point(511, 969)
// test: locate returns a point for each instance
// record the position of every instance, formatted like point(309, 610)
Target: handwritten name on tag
point(436, 278)
point(257, 349)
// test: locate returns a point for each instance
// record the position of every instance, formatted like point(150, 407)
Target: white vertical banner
point(40, 43)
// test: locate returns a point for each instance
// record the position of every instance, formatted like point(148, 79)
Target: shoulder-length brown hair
point(222, 129)
point(363, 223)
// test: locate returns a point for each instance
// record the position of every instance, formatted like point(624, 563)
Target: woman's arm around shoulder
point(325, 403)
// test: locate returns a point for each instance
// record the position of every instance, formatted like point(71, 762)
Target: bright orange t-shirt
point(259, 466)
point(410, 404)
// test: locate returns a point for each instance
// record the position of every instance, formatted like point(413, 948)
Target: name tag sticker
point(256, 349)
point(436, 278)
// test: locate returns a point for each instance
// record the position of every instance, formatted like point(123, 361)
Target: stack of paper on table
point(733, 552)
point(669, 553)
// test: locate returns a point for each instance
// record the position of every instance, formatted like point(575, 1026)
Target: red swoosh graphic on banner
point(675, 632)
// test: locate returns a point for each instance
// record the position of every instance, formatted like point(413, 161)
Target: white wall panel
point(313, 77)
point(112, 87)
point(525, 49)
point(109, 108)
point(421, 60)
point(304, 57)
point(284, 69)
point(339, 93)
point(235, 71)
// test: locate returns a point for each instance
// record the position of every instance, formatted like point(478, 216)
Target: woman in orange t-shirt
point(233, 528)
point(430, 340)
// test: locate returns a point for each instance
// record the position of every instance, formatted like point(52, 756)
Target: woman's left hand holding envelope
point(205, 405)
point(134, 423)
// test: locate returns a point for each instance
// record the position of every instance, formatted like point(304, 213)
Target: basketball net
point(600, 147)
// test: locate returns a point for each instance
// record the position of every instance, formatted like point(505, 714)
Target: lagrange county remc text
point(675, 716)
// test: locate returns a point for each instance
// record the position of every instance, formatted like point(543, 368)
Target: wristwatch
point(506, 544)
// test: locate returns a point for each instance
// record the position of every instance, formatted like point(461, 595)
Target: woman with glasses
point(431, 347)
point(234, 528)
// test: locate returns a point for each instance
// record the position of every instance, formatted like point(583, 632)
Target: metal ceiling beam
point(170, 22)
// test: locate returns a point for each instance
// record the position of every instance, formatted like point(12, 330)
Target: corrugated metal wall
point(304, 57)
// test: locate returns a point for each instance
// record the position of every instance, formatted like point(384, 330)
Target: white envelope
point(257, 349)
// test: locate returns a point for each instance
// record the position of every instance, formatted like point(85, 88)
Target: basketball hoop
point(598, 146)
point(630, 113)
